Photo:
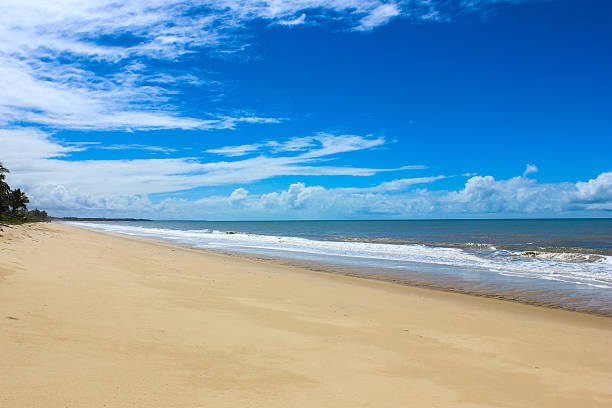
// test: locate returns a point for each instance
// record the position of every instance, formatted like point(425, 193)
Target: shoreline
point(454, 286)
point(94, 319)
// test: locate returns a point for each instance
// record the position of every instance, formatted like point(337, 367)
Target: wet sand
point(91, 320)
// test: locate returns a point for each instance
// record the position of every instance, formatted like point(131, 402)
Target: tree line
point(13, 202)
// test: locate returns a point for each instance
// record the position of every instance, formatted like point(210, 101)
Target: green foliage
point(8, 220)
point(17, 200)
point(13, 204)
point(5, 190)
point(3, 202)
point(37, 215)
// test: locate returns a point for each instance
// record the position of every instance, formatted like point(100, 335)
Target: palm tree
point(4, 190)
point(3, 176)
point(17, 200)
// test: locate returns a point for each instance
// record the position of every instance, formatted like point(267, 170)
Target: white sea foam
point(590, 269)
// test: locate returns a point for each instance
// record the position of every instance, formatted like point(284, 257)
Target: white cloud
point(65, 97)
point(28, 144)
point(379, 16)
point(233, 151)
point(238, 196)
point(295, 21)
point(595, 194)
point(480, 197)
point(432, 15)
point(519, 195)
point(393, 185)
point(531, 168)
point(62, 64)
point(322, 144)
point(38, 166)
point(159, 149)
point(122, 187)
point(51, 58)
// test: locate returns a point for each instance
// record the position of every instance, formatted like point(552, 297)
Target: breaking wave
point(565, 265)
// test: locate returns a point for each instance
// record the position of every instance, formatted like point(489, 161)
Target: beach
point(91, 319)
point(559, 263)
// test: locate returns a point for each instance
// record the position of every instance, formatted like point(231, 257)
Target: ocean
point(565, 263)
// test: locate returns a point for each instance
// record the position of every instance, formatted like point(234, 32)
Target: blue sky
point(308, 109)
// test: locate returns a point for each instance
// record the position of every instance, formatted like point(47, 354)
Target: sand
point(89, 319)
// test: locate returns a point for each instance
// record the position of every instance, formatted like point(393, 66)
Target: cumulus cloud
point(238, 196)
point(481, 196)
point(123, 188)
point(595, 194)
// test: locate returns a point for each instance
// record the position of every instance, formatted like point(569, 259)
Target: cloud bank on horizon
point(122, 187)
point(99, 66)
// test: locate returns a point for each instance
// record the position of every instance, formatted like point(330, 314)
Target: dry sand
point(93, 320)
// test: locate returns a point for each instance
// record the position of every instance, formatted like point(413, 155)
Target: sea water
point(555, 262)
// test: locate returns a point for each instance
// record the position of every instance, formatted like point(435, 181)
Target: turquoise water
point(561, 262)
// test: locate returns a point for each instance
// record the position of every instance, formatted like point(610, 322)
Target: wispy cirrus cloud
point(301, 19)
point(379, 16)
point(157, 149)
point(61, 97)
point(43, 164)
point(393, 185)
point(87, 64)
point(235, 151)
point(321, 144)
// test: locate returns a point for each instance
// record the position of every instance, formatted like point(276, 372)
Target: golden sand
point(89, 319)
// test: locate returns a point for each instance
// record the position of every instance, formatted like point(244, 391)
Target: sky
point(308, 109)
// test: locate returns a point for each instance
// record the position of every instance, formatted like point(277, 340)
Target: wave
point(527, 249)
point(570, 266)
point(571, 257)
